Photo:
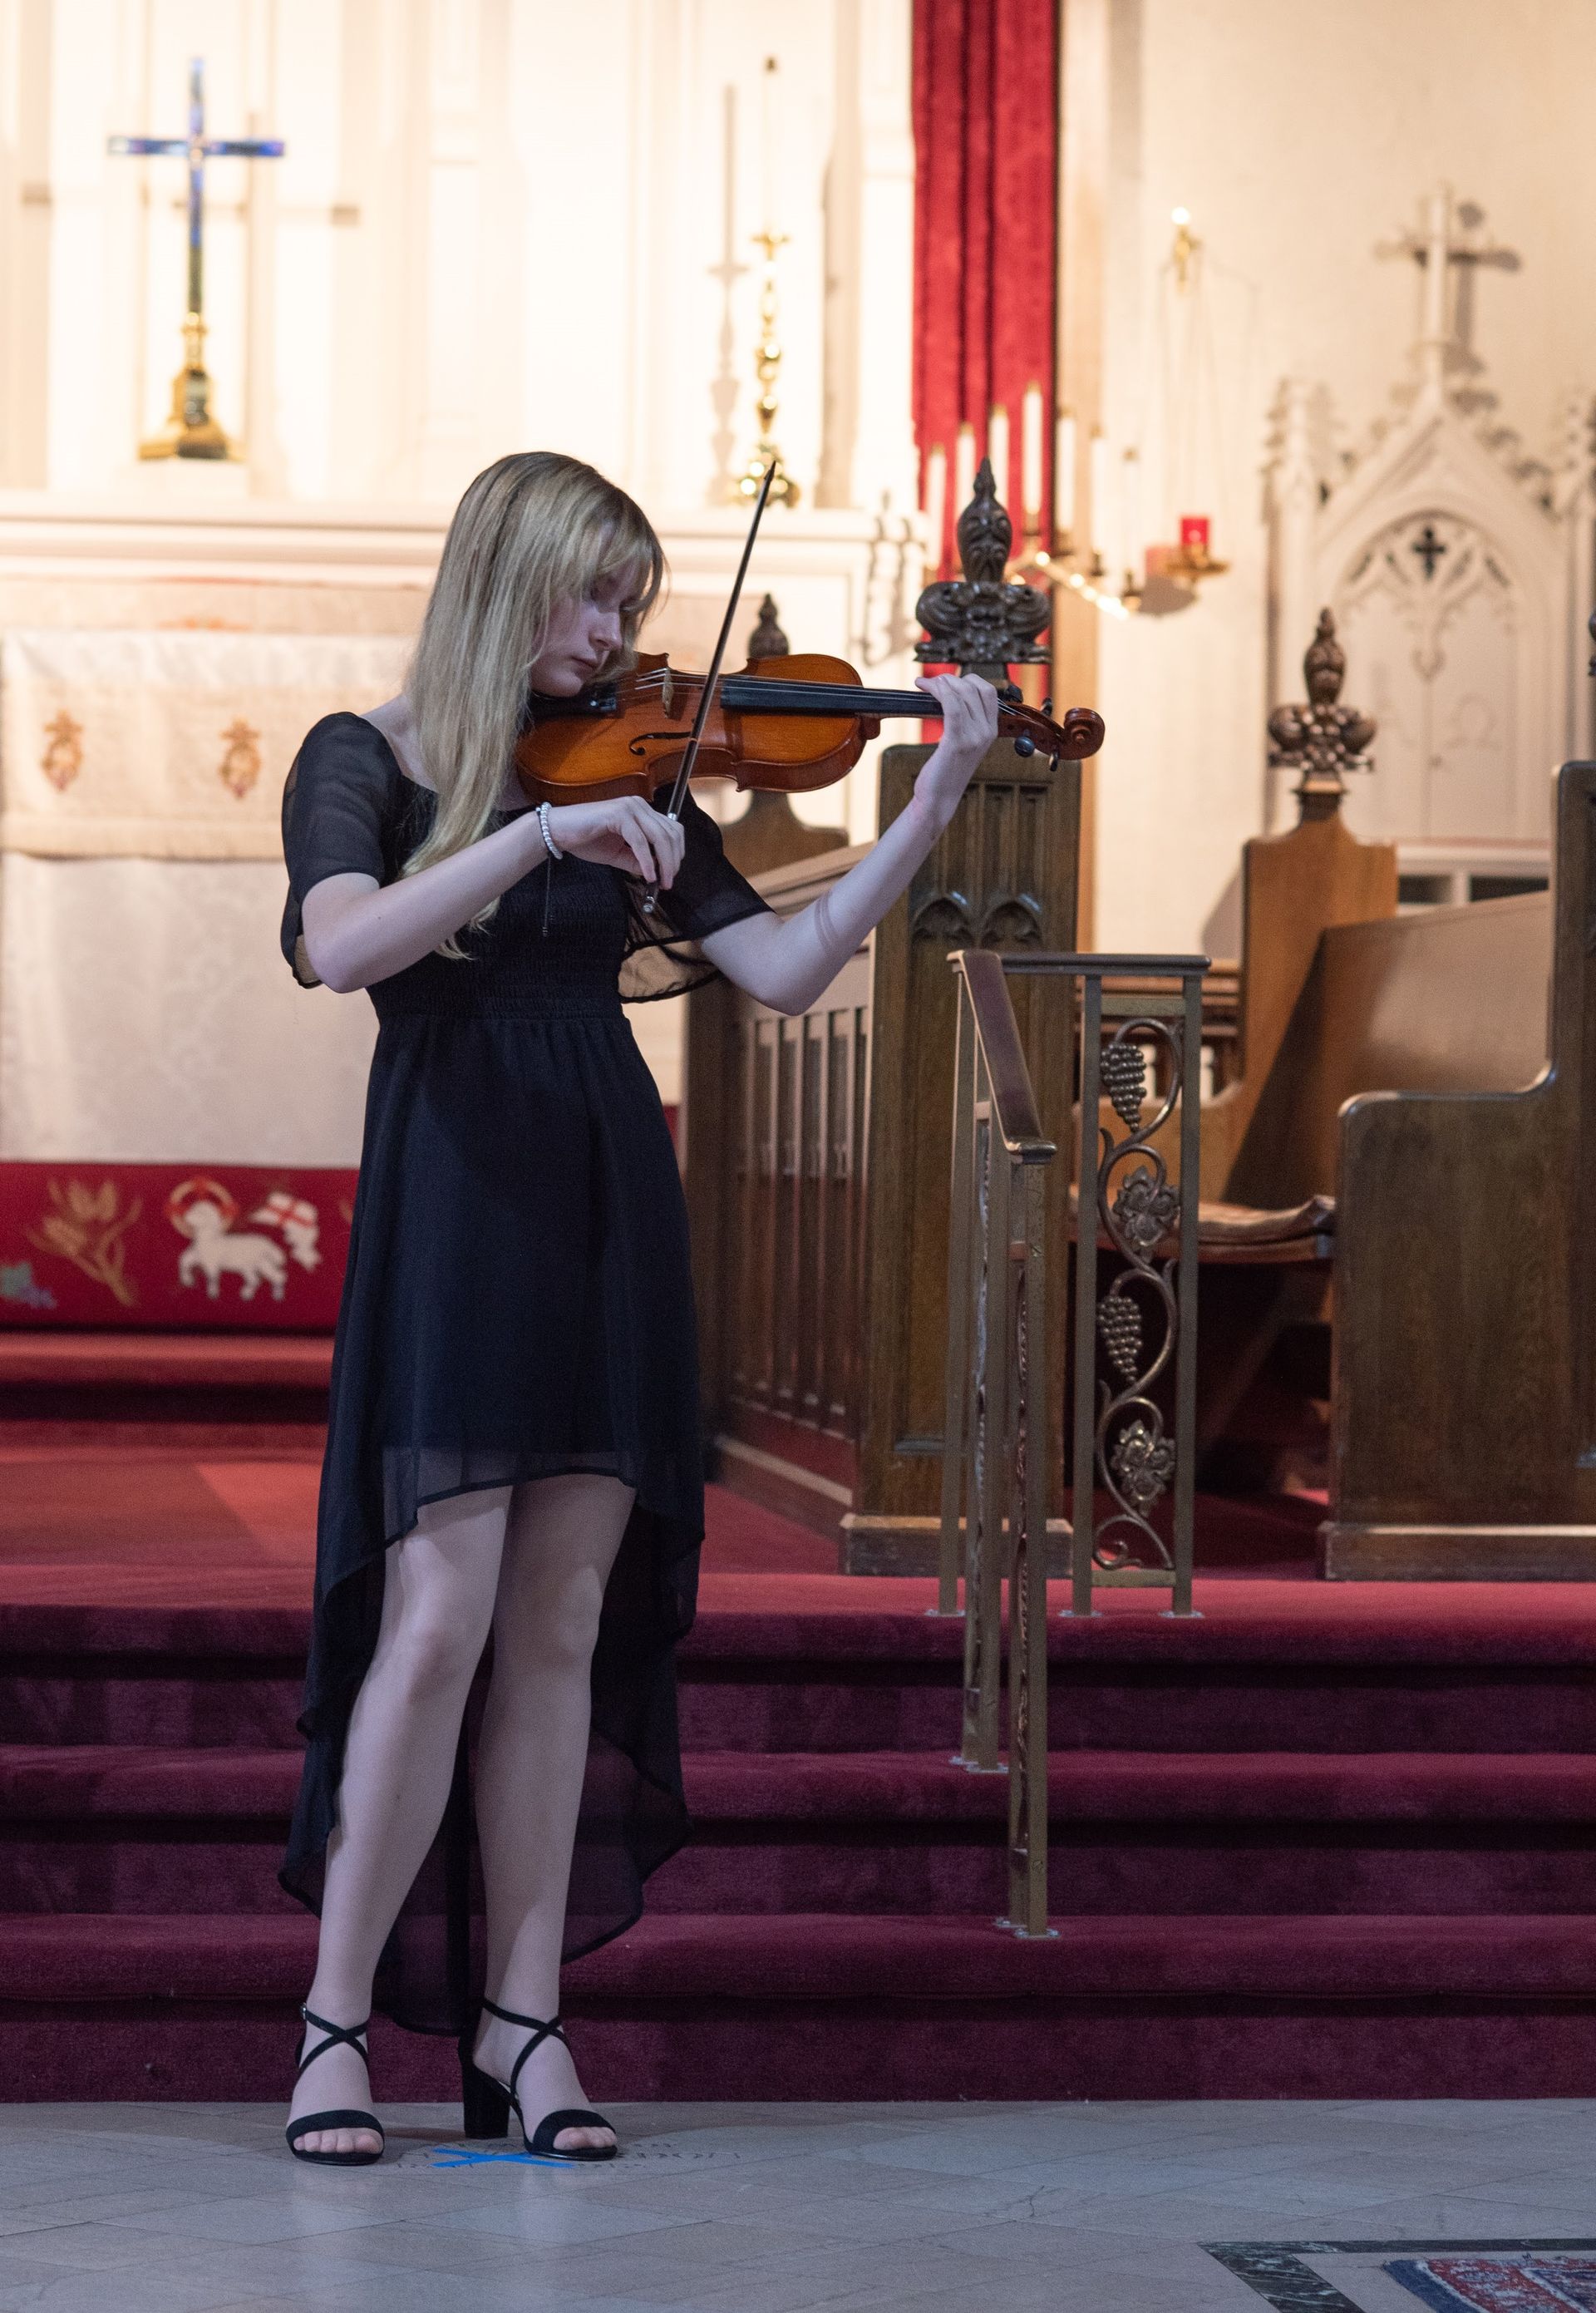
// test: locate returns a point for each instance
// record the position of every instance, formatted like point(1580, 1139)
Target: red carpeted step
point(1342, 1677)
point(827, 1788)
point(166, 1360)
point(1143, 1832)
point(217, 1392)
point(829, 1956)
point(145, 1829)
point(131, 1783)
point(823, 2007)
point(916, 1786)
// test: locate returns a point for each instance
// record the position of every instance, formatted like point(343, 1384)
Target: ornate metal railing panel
point(1133, 1383)
point(1136, 1342)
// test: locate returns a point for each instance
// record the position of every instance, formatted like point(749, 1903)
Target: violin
point(789, 724)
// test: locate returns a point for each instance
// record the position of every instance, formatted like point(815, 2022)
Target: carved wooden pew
point(1418, 1083)
point(1464, 1422)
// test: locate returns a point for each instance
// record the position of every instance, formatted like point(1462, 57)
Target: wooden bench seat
point(1240, 1236)
point(1257, 1232)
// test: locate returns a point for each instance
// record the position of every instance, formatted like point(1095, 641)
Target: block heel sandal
point(351, 2035)
point(488, 2103)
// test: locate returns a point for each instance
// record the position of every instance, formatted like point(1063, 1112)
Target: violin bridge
point(668, 692)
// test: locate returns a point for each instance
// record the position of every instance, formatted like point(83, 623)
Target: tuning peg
point(1047, 706)
point(1010, 694)
point(1025, 744)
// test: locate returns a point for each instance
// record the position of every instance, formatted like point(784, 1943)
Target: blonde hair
point(535, 531)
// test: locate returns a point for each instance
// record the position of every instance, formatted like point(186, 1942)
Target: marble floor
point(1113, 2208)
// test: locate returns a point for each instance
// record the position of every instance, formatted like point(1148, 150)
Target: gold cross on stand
point(191, 431)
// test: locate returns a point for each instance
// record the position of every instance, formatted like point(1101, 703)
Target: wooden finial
point(1321, 738)
point(768, 640)
point(981, 622)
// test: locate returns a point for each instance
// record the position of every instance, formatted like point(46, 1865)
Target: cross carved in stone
point(1429, 548)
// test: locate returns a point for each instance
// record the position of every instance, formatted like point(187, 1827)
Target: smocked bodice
point(553, 950)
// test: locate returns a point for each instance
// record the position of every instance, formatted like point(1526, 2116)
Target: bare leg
point(560, 1544)
point(437, 1606)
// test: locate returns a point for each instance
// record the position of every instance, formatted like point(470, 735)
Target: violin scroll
point(1080, 734)
point(1083, 729)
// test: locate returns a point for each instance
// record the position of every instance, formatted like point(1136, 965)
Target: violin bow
point(650, 892)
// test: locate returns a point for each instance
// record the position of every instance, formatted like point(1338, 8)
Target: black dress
point(517, 1303)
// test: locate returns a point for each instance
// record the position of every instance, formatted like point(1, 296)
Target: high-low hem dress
point(518, 1304)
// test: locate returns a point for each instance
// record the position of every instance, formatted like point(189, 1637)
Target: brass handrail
point(994, 1462)
point(997, 1032)
point(1131, 1347)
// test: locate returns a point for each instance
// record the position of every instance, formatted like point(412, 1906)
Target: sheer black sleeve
point(663, 955)
point(339, 810)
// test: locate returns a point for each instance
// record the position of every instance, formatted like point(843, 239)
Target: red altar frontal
point(224, 1247)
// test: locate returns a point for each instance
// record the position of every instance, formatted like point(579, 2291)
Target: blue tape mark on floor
point(456, 2156)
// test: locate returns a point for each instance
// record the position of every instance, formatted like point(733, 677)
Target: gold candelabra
point(768, 369)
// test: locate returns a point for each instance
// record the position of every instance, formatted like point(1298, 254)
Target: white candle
point(1064, 476)
point(936, 506)
point(998, 449)
point(964, 468)
point(767, 140)
point(1130, 485)
point(1098, 484)
point(1031, 459)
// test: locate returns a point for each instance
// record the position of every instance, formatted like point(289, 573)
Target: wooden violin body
point(788, 724)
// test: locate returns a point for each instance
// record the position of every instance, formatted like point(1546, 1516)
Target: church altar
point(162, 652)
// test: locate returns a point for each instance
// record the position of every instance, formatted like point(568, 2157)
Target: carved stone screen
point(1431, 616)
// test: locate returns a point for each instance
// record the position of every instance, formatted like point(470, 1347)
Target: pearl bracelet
point(549, 845)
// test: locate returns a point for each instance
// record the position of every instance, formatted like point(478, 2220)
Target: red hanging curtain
point(985, 114)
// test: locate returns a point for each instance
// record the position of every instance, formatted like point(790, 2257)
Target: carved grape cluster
point(1119, 1322)
point(1125, 1080)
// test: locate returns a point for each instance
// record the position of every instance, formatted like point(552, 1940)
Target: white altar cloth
point(147, 1017)
point(167, 744)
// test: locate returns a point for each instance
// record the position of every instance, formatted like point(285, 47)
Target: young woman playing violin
point(514, 1454)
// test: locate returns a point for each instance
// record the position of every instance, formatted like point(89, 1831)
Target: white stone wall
point(1300, 137)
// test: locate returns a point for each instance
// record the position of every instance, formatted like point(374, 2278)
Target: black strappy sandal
point(352, 2035)
point(488, 2103)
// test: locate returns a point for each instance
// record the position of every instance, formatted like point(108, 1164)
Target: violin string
point(794, 697)
point(801, 697)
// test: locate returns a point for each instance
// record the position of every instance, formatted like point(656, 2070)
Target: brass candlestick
point(190, 430)
point(768, 369)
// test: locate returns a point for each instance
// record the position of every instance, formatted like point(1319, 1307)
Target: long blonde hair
point(534, 531)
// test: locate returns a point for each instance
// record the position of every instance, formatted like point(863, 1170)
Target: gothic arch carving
point(1458, 570)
